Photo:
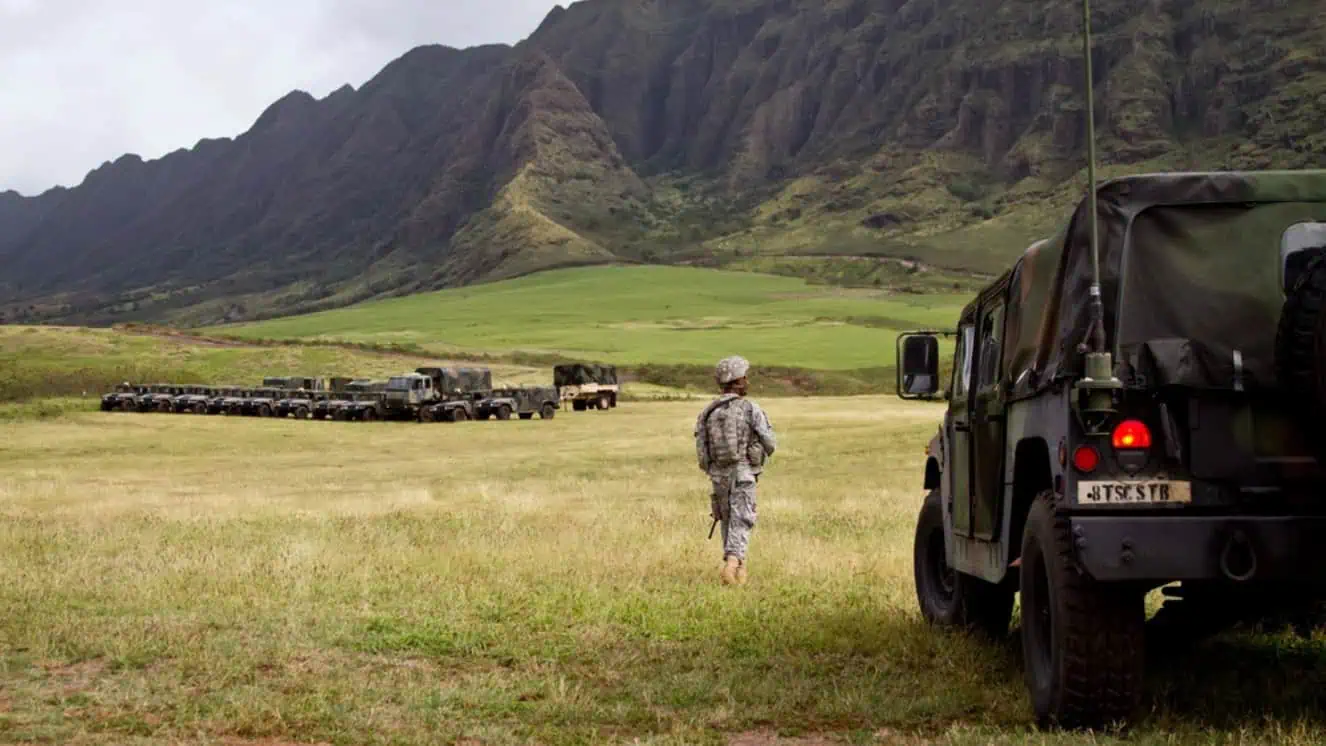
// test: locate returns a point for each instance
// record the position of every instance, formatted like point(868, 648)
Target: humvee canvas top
point(1190, 274)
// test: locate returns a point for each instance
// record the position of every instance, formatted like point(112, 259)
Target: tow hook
point(1238, 559)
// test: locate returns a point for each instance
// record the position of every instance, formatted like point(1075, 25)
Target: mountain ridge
point(720, 132)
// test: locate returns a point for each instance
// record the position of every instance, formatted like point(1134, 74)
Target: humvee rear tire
point(949, 598)
point(460, 415)
point(301, 413)
point(1083, 642)
point(370, 415)
point(265, 411)
point(504, 412)
point(548, 412)
point(1300, 342)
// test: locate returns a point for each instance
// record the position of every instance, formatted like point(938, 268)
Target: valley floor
point(183, 579)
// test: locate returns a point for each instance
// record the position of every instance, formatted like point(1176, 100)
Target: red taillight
point(1132, 434)
point(1086, 459)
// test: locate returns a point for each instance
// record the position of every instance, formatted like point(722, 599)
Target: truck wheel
point(460, 415)
point(301, 413)
point(1083, 642)
point(1300, 343)
point(578, 405)
point(200, 409)
point(370, 415)
point(603, 403)
point(265, 411)
point(504, 412)
point(548, 412)
point(949, 598)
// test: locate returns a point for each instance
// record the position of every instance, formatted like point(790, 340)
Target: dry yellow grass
point(181, 579)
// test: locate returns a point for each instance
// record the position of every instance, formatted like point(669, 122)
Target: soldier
point(733, 437)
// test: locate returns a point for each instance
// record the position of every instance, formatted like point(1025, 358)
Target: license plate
point(1135, 492)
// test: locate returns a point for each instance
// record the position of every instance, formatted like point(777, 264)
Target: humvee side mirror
point(918, 365)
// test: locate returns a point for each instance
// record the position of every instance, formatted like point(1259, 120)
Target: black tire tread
point(1297, 334)
point(1104, 634)
point(980, 606)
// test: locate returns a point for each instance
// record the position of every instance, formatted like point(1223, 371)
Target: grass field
point(178, 579)
point(638, 315)
point(62, 361)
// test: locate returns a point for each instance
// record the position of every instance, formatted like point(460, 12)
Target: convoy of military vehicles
point(428, 394)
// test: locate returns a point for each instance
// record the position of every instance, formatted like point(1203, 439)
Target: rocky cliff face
point(945, 131)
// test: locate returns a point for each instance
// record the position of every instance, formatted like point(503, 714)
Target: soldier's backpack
point(705, 452)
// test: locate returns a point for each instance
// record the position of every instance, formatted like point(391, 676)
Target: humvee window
point(989, 354)
point(962, 364)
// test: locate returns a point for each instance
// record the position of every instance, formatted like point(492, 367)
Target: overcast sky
point(85, 81)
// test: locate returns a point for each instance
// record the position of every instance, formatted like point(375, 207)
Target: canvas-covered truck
point(438, 394)
point(1144, 415)
point(586, 385)
point(522, 401)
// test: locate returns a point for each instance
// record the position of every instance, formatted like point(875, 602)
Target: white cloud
point(85, 81)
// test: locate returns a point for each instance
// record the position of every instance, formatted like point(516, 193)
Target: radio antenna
point(1098, 382)
point(1097, 305)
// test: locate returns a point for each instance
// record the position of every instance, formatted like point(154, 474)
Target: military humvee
point(125, 397)
point(523, 401)
point(193, 400)
point(587, 385)
point(1097, 446)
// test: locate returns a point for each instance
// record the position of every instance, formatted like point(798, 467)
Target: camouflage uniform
point(733, 438)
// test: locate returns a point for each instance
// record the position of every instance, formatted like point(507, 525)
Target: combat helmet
point(730, 369)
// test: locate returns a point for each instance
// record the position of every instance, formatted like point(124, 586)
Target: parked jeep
point(523, 401)
point(1169, 432)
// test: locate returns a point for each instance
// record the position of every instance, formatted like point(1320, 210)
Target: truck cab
point(1192, 463)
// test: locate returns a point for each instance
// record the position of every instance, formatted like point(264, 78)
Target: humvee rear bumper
point(1169, 548)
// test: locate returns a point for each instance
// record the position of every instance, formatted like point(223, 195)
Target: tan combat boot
point(741, 573)
point(729, 573)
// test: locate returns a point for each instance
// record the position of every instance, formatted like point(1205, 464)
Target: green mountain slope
point(919, 143)
point(633, 315)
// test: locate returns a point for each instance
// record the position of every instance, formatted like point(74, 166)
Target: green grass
point(633, 315)
point(180, 579)
point(40, 362)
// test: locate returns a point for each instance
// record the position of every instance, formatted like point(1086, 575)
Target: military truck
point(1140, 415)
point(438, 394)
point(523, 401)
point(586, 384)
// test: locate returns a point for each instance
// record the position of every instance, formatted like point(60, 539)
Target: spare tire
point(1300, 341)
